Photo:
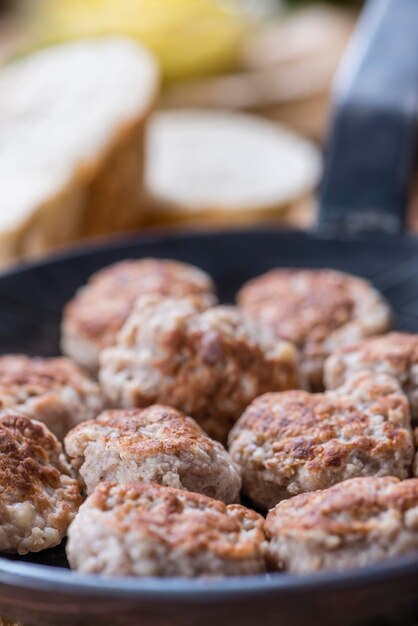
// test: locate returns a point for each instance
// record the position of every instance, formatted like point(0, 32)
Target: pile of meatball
point(169, 413)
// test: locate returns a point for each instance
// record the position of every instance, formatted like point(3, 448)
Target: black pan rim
point(31, 576)
point(47, 578)
point(100, 244)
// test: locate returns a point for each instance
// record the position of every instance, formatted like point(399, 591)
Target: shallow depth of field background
point(274, 59)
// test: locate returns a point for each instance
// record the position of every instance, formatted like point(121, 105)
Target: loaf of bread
point(224, 167)
point(72, 121)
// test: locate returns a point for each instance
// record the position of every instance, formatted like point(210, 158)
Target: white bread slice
point(223, 166)
point(71, 142)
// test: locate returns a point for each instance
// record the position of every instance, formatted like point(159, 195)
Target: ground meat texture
point(92, 319)
point(318, 310)
point(395, 354)
point(353, 524)
point(209, 364)
point(151, 530)
point(39, 496)
point(54, 391)
point(158, 444)
point(292, 442)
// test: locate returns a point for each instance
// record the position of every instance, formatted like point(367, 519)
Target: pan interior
point(32, 298)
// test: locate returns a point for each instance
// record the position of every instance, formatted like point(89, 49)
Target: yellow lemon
point(189, 37)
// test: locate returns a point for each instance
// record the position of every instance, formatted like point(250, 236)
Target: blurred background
point(229, 130)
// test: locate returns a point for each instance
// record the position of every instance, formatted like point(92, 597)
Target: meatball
point(352, 524)
point(395, 354)
point(292, 442)
point(135, 529)
point(39, 496)
point(208, 364)
point(154, 445)
point(415, 463)
point(94, 316)
point(54, 391)
point(318, 310)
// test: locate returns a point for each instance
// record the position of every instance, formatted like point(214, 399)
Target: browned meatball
point(292, 442)
point(39, 496)
point(93, 317)
point(353, 524)
point(54, 391)
point(154, 445)
point(395, 354)
point(318, 310)
point(150, 530)
point(209, 365)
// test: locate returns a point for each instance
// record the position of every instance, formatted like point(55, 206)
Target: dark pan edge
point(40, 577)
point(98, 245)
point(43, 577)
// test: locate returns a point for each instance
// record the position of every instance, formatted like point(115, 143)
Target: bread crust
point(80, 181)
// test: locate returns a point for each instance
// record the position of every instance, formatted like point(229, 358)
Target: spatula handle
point(370, 156)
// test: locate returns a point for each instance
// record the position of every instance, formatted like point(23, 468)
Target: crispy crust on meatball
point(154, 445)
point(395, 354)
point(292, 442)
point(53, 391)
point(94, 316)
point(151, 530)
point(209, 365)
point(39, 496)
point(318, 310)
point(352, 524)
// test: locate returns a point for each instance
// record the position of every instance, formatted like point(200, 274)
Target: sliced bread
point(223, 166)
point(71, 142)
